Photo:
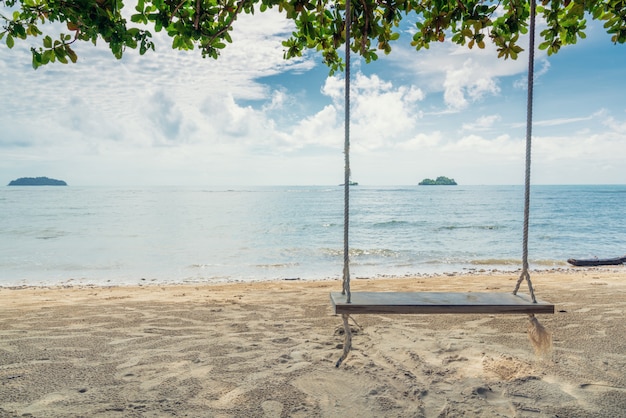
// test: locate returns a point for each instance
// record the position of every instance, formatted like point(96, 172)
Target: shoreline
point(467, 273)
point(268, 349)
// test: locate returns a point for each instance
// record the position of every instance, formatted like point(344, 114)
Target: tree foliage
point(319, 24)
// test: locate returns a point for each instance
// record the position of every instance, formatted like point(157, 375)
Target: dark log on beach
point(597, 261)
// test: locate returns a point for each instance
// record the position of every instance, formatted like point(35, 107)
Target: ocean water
point(107, 236)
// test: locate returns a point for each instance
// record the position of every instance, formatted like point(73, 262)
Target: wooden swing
point(346, 302)
point(437, 303)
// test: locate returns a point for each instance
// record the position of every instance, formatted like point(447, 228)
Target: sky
point(172, 118)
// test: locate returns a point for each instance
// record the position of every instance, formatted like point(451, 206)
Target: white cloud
point(380, 111)
point(503, 146)
point(616, 126)
point(421, 141)
point(469, 82)
point(334, 87)
point(482, 123)
point(464, 76)
point(325, 128)
point(279, 100)
point(560, 121)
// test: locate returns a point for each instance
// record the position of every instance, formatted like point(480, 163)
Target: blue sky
point(252, 118)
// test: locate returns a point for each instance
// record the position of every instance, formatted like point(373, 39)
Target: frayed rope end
point(539, 336)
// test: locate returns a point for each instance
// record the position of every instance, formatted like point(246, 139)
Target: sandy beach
point(269, 349)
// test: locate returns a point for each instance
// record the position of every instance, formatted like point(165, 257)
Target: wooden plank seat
point(438, 303)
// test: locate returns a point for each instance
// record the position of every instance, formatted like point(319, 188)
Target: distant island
point(37, 181)
point(440, 181)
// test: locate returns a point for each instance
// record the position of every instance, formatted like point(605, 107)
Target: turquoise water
point(54, 235)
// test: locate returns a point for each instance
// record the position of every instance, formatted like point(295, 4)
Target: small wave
point(333, 252)
point(203, 266)
point(480, 227)
point(514, 261)
point(550, 263)
point(390, 224)
point(359, 252)
point(495, 261)
point(277, 265)
point(50, 234)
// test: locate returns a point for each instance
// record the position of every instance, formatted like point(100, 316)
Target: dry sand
point(269, 349)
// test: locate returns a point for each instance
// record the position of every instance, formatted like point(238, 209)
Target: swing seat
point(438, 303)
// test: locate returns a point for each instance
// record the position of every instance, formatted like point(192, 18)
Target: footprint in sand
point(272, 409)
point(601, 387)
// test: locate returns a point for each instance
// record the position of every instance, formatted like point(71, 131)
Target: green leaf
point(60, 54)
point(10, 41)
point(36, 62)
point(47, 56)
point(70, 53)
point(19, 31)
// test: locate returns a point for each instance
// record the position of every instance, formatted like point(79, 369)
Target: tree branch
point(229, 24)
point(197, 18)
point(366, 26)
point(176, 9)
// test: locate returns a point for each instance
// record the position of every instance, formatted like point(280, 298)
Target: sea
point(141, 235)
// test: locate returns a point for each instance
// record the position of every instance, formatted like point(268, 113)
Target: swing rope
point(525, 275)
point(346, 151)
point(540, 338)
point(347, 344)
